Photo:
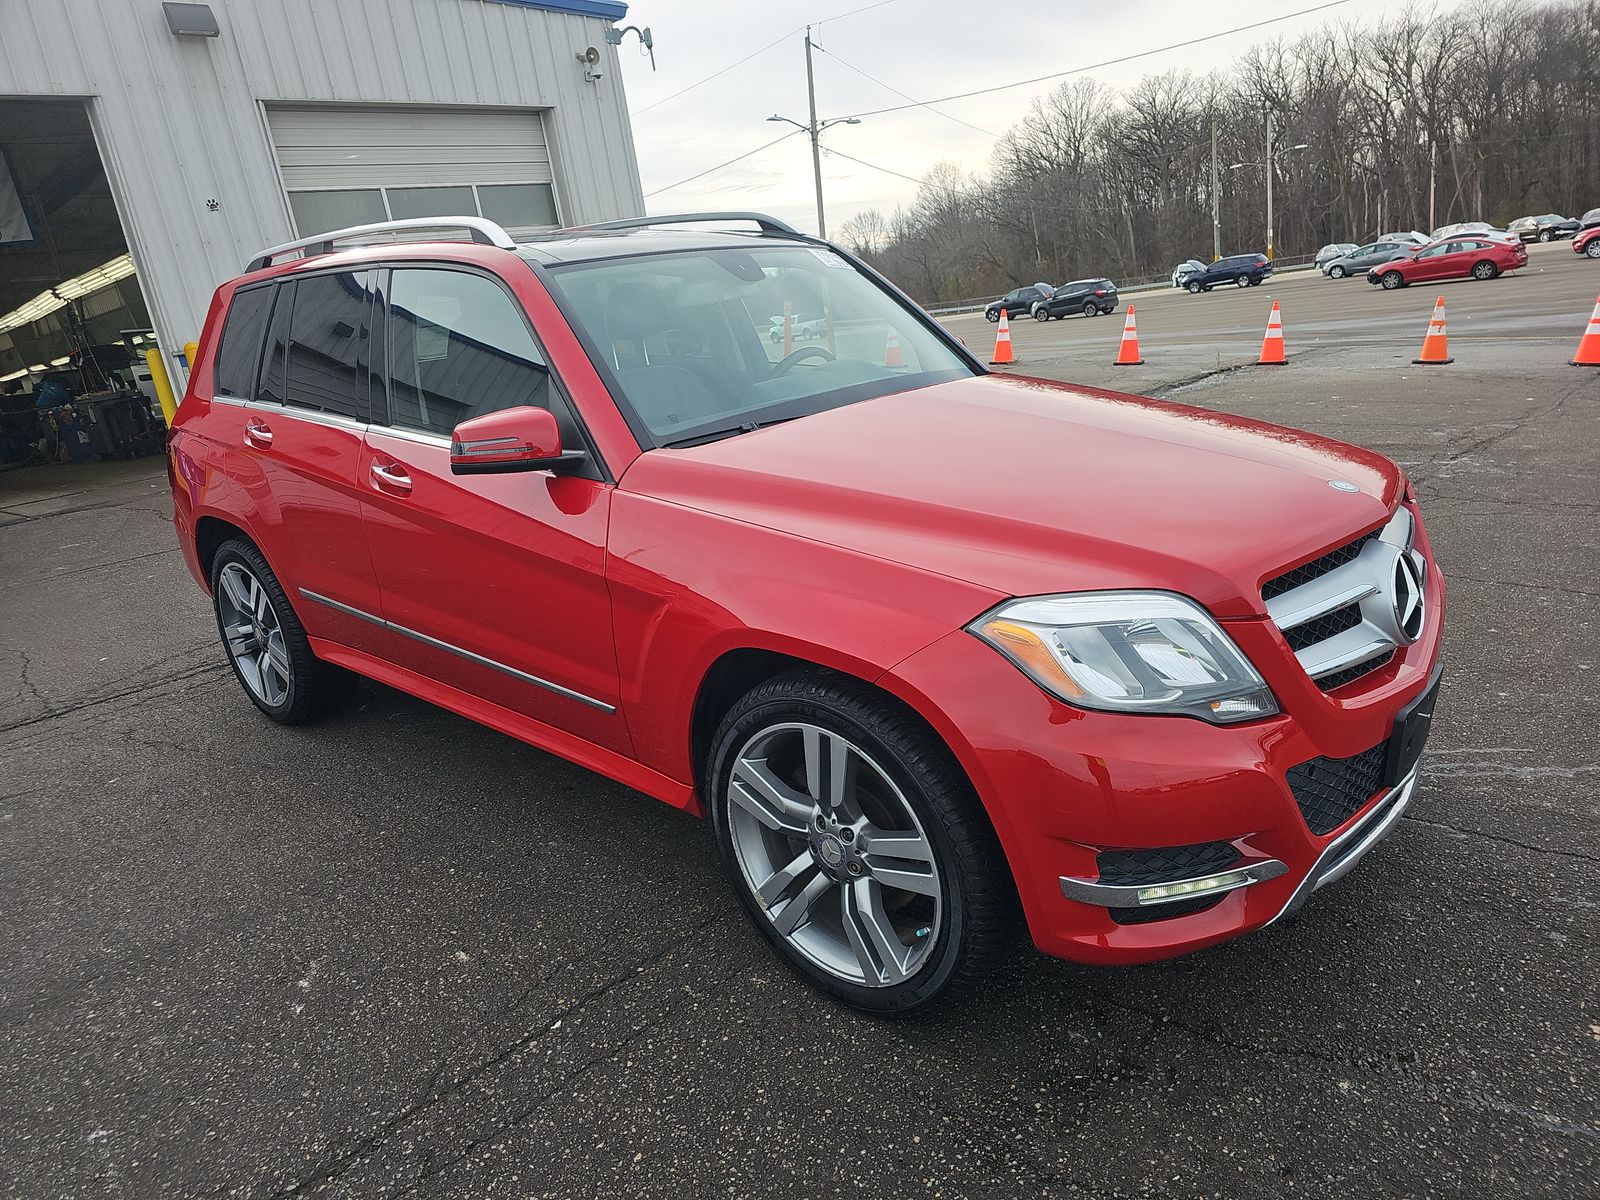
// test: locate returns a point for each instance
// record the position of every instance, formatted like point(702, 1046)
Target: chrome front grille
point(1346, 613)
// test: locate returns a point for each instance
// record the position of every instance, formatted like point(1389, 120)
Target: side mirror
point(513, 439)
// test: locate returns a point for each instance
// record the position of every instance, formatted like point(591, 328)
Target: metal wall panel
point(182, 129)
point(374, 146)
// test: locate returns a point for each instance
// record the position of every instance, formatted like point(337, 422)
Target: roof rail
point(485, 233)
point(768, 224)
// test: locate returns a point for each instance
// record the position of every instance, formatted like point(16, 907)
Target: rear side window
point(235, 369)
point(459, 347)
point(328, 344)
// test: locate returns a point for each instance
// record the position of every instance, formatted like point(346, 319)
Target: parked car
point(1588, 242)
point(1018, 301)
point(1332, 251)
point(1408, 237)
point(1589, 219)
point(877, 623)
point(1365, 257)
point(801, 329)
point(1091, 297)
point(1473, 229)
point(1452, 258)
point(1241, 270)
point(1544, 228)
point(1188, 267)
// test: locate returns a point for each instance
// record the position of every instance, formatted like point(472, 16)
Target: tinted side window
point(329, 338)
point(271, 386)
point(459, 347)
point(240, 351)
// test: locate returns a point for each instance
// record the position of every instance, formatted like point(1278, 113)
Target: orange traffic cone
point(1435, 349)
point(1589, 347)
point(1128, 354)
point(891, 351)
point(1002, 343)
point(1272, 345)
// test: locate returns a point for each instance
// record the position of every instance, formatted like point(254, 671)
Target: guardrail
point(1140, 283)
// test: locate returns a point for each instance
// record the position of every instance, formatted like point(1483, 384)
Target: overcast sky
point(924, 48)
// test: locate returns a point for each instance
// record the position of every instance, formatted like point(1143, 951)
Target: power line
point(863, 162)
point(729, 163)
point(1110, 62)
point(754, 53)
point(891, 88)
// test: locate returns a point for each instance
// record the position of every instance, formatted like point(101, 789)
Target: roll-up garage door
point(351, 164)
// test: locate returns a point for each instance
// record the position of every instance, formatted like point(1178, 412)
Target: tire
point(1592, 250)
point(1194, 289)
point(911, 946)
point(1484, 270)
point(1242, 281)
point(1545, 235)
point(265, 643)
point(1390, 280)
point(1336, 272)
point(1091, 309)
point(993, 317)
point(1039, 314)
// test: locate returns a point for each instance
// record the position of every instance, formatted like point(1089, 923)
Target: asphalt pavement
point(399, 954)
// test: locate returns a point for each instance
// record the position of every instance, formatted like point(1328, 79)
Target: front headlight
point(1134, 652)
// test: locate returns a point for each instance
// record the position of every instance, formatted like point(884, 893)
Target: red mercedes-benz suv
point(929, 646)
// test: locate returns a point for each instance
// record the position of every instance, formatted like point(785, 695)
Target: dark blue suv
point(1241, 270)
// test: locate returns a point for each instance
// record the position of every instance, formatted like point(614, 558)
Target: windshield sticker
point(829, 258)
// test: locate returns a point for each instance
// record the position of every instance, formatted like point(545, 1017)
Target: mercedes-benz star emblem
point(1407, 597)
point(831, 850)
point(1342, 485)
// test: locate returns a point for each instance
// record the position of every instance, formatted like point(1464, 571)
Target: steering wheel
point(781, 367)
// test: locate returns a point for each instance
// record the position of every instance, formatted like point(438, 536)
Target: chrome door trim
point(411, 435)
point(450, 648)
point(331, 420)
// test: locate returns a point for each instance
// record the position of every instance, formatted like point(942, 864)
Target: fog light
point(1190, 887)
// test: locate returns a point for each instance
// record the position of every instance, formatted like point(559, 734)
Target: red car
point(933, 649)
point(1457, 257)
point(1588, 242)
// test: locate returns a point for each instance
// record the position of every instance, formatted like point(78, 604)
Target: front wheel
point(1336, 272)
point(266, 644)
point(856, 844)
point(1484, 270)
point(1545, 235)
point(1592, 250)
point(1242, 281)
point(1391, 280)
point(992, 316)
point(1039, 314)
point(1194, 289)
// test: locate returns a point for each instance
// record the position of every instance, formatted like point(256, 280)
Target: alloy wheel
point(254, 635)
point(834, 854)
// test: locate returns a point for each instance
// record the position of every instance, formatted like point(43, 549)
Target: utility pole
point(1433, 183)
point(813, 129)
point(1269, 184)
point(816, 146)
point(1216, 196)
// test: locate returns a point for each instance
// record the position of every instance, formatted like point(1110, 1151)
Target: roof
point(608, 10)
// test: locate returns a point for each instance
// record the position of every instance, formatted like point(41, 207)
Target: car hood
point(1026, 487)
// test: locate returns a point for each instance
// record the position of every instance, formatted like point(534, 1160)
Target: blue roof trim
point(609, 10)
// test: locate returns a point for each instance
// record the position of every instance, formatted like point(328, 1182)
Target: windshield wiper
point(716, 435)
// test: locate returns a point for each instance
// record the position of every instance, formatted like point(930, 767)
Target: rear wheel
point(1336, 272)
point(1391, 280)
point(1484, 270)
point(266, 644)
point(855, 843)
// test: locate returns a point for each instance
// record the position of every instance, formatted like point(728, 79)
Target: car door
point(494, 584)
point(1431, 263)
point(300, 442)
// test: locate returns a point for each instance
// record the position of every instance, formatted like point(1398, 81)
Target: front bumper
point(1065, 786)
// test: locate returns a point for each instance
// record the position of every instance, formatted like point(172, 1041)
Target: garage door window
point(519, 205)
point(318, 212)
point(431, 202)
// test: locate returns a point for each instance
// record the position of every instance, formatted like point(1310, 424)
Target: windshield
point(709, 343)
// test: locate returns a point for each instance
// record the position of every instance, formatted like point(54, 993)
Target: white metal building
point(225, 127)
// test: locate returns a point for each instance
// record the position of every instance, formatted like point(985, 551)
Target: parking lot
point(397, 953)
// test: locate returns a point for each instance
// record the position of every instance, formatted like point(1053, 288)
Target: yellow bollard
point(191, 351)
point(162, 384)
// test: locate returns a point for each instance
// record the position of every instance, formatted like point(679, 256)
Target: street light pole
point(1269, 184)
point(816, 147)
point(1216, 197)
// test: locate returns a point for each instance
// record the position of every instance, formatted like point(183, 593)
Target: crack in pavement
point(1504, 841)
point(366, 1147)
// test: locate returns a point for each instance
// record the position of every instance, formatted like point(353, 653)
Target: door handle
point(258, 433)
point(391, 475)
